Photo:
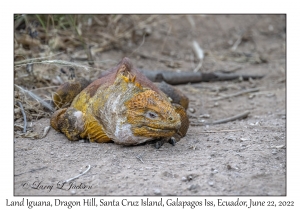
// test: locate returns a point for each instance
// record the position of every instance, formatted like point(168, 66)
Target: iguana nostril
point(171, 118)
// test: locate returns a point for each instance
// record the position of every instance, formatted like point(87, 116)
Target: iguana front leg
point(68, 121)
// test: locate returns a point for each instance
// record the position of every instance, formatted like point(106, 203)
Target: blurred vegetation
point(51, 49)
point(61, 32)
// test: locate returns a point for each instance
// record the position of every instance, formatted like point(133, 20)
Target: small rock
point(215, 171)
point(209, 139)
point(184, 179)
point(81, 141)
point(211, 183)
point(229, 167)
point(73, 192)
point(271, 28)
point(192, 110)
point(254, 124)
point(231, 138)
point(274, 152)
point(148, 30)
point(277, 138)
point(51, 153)
point(204, 116)
point(278, 147)
point(17, 111)
point(157, 192)
point(244, 139)
point(193, 187)
point(190, 177)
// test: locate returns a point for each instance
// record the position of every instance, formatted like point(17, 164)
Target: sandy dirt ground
point(242, 157)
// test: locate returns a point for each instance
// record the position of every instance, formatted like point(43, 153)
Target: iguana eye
point(151, 115)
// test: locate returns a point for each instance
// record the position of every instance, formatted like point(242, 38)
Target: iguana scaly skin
point(122, 106)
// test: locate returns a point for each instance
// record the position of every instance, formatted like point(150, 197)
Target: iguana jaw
point(153, 132)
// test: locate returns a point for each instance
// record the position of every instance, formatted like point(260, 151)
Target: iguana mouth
point(159, 130)
point(153, 132)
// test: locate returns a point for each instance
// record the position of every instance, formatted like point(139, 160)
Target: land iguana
point(122, 106)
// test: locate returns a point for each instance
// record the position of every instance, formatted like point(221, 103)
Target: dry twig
point(236, 44)
point(199, 53)
point(139, 157)
point(220, 131)
point(35, 97)
point(24, 116)
point(237, 94)
point(236, 117)
point(79, 175)
point(176, 78)
point(17, 63)
point(46, 130)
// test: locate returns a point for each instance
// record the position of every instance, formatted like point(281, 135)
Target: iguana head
point(151, 114)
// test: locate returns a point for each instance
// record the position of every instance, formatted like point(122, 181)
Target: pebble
point(274, 152)
point(192, 110)
point(216, 104)
point(148, 30)
point(244, 139)
point(211, 183)
point(271, 28)
point(279, 147)
point(157, 192)
point(277, 138)
point(73, 192)
point(204, 116)
point(215, 171)
point(209, 139)
point(231, 138)
point(193, 187)
point(184, 178)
